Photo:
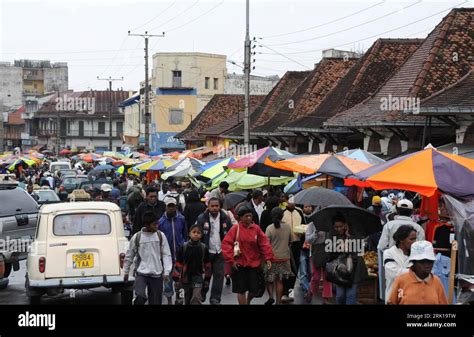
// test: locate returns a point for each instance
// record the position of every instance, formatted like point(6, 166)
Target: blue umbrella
point(104, 167)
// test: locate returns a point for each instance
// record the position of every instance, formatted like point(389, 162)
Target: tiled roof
point(220, 108)
point(382, 59)
point(14, 118)
point(102, 100)
point(280, 94)
point(443, 58)
point(310, 93)
point(454, 99)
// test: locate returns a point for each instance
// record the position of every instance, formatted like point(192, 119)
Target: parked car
point(78, 245)
point(71, 182)
point(93, 187)
point(46, 196)
point(18, 219)
point(59, 165)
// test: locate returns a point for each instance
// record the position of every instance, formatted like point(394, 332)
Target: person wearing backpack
point(215, 224)
point(173, 225)
point(174, 193)
point(192, 270)
point(150, 253)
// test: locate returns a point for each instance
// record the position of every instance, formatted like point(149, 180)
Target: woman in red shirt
point(244, 247)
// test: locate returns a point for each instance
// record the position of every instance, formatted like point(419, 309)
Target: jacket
point(204, 218)
point(395, 263)
point(387, 241)
point(192, 211)
point(253, 243)
point(192, 260)
point(149, 250)
point(256, 219)
point(158, 209)
point(175, 230)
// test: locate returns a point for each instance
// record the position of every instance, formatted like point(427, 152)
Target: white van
point(59, 165)
point(78, 246)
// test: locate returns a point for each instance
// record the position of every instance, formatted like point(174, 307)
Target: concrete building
point(234, 84)
point(83, 120)
point(182, 84)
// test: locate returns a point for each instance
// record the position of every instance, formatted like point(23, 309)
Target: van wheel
point(8, 269)
point(126, 297)
point(4, 283)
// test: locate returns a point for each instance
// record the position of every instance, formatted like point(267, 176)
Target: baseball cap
point(169, 201)
point(422, 250)
point(105, 188)
point(405, 203)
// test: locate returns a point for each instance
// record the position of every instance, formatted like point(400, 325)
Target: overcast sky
point(92, 35)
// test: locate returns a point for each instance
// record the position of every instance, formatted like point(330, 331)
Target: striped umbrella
point(424, 172)
point(256, 162)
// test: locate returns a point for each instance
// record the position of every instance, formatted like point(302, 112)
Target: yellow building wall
point(163, 103)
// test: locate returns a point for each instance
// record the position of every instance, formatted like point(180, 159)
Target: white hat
point(405, 203)
point(422, 250)
point(169, 201)
point(105, 188)
point(291, 199)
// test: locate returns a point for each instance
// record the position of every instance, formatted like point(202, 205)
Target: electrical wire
point(155, 17)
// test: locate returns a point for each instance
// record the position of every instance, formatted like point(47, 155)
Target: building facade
point(235, 84)
point(83, 120)
point(182, 85)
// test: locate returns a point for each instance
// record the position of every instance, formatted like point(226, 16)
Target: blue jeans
point(304, 273)
point(346, 295)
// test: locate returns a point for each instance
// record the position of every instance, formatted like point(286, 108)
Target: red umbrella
point(65, 152)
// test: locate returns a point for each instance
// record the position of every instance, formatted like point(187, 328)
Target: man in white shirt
point(257, 206)
point(215, 224)
point(404, 210)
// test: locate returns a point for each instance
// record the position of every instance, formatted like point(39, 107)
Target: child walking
point(192, 271)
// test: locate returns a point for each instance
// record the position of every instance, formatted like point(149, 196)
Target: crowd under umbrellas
point(297, 206)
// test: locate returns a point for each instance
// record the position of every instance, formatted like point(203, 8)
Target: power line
point(155, 17)
point(326, 23)
point(347, 29)
point(196, 18)
point(176, 16)
point(376, 35)
point(288, 58)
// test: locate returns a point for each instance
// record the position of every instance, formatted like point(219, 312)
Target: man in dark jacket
point(194, 208)
point(215, 224)
point(257, 206)
point(152, 204)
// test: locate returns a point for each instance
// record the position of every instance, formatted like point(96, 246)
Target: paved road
point(15, 294)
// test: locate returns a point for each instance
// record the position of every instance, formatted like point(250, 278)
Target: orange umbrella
point(425, 172)
point(330, 164)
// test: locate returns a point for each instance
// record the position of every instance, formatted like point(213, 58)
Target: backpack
point(136, 250)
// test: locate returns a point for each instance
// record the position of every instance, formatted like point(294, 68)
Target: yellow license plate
point(80, 261)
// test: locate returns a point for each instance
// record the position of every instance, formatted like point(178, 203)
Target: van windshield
point(55, 167)
point(81, 224)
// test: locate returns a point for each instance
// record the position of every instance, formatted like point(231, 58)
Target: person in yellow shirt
point(419, 285)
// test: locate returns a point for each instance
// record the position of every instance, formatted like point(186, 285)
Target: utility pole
point(247, 80)
point(110, 80)
point(146, 36)
point(58, 124)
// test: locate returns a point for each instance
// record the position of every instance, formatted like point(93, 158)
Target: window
point(68, 127)
point(101, 130)
point(176, 116)
point(216, 83)
point(81, 224)
point(119, 127)
point(176, 78)
point(206, 82)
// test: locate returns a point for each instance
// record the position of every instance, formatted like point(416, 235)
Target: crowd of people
point(184, 245)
